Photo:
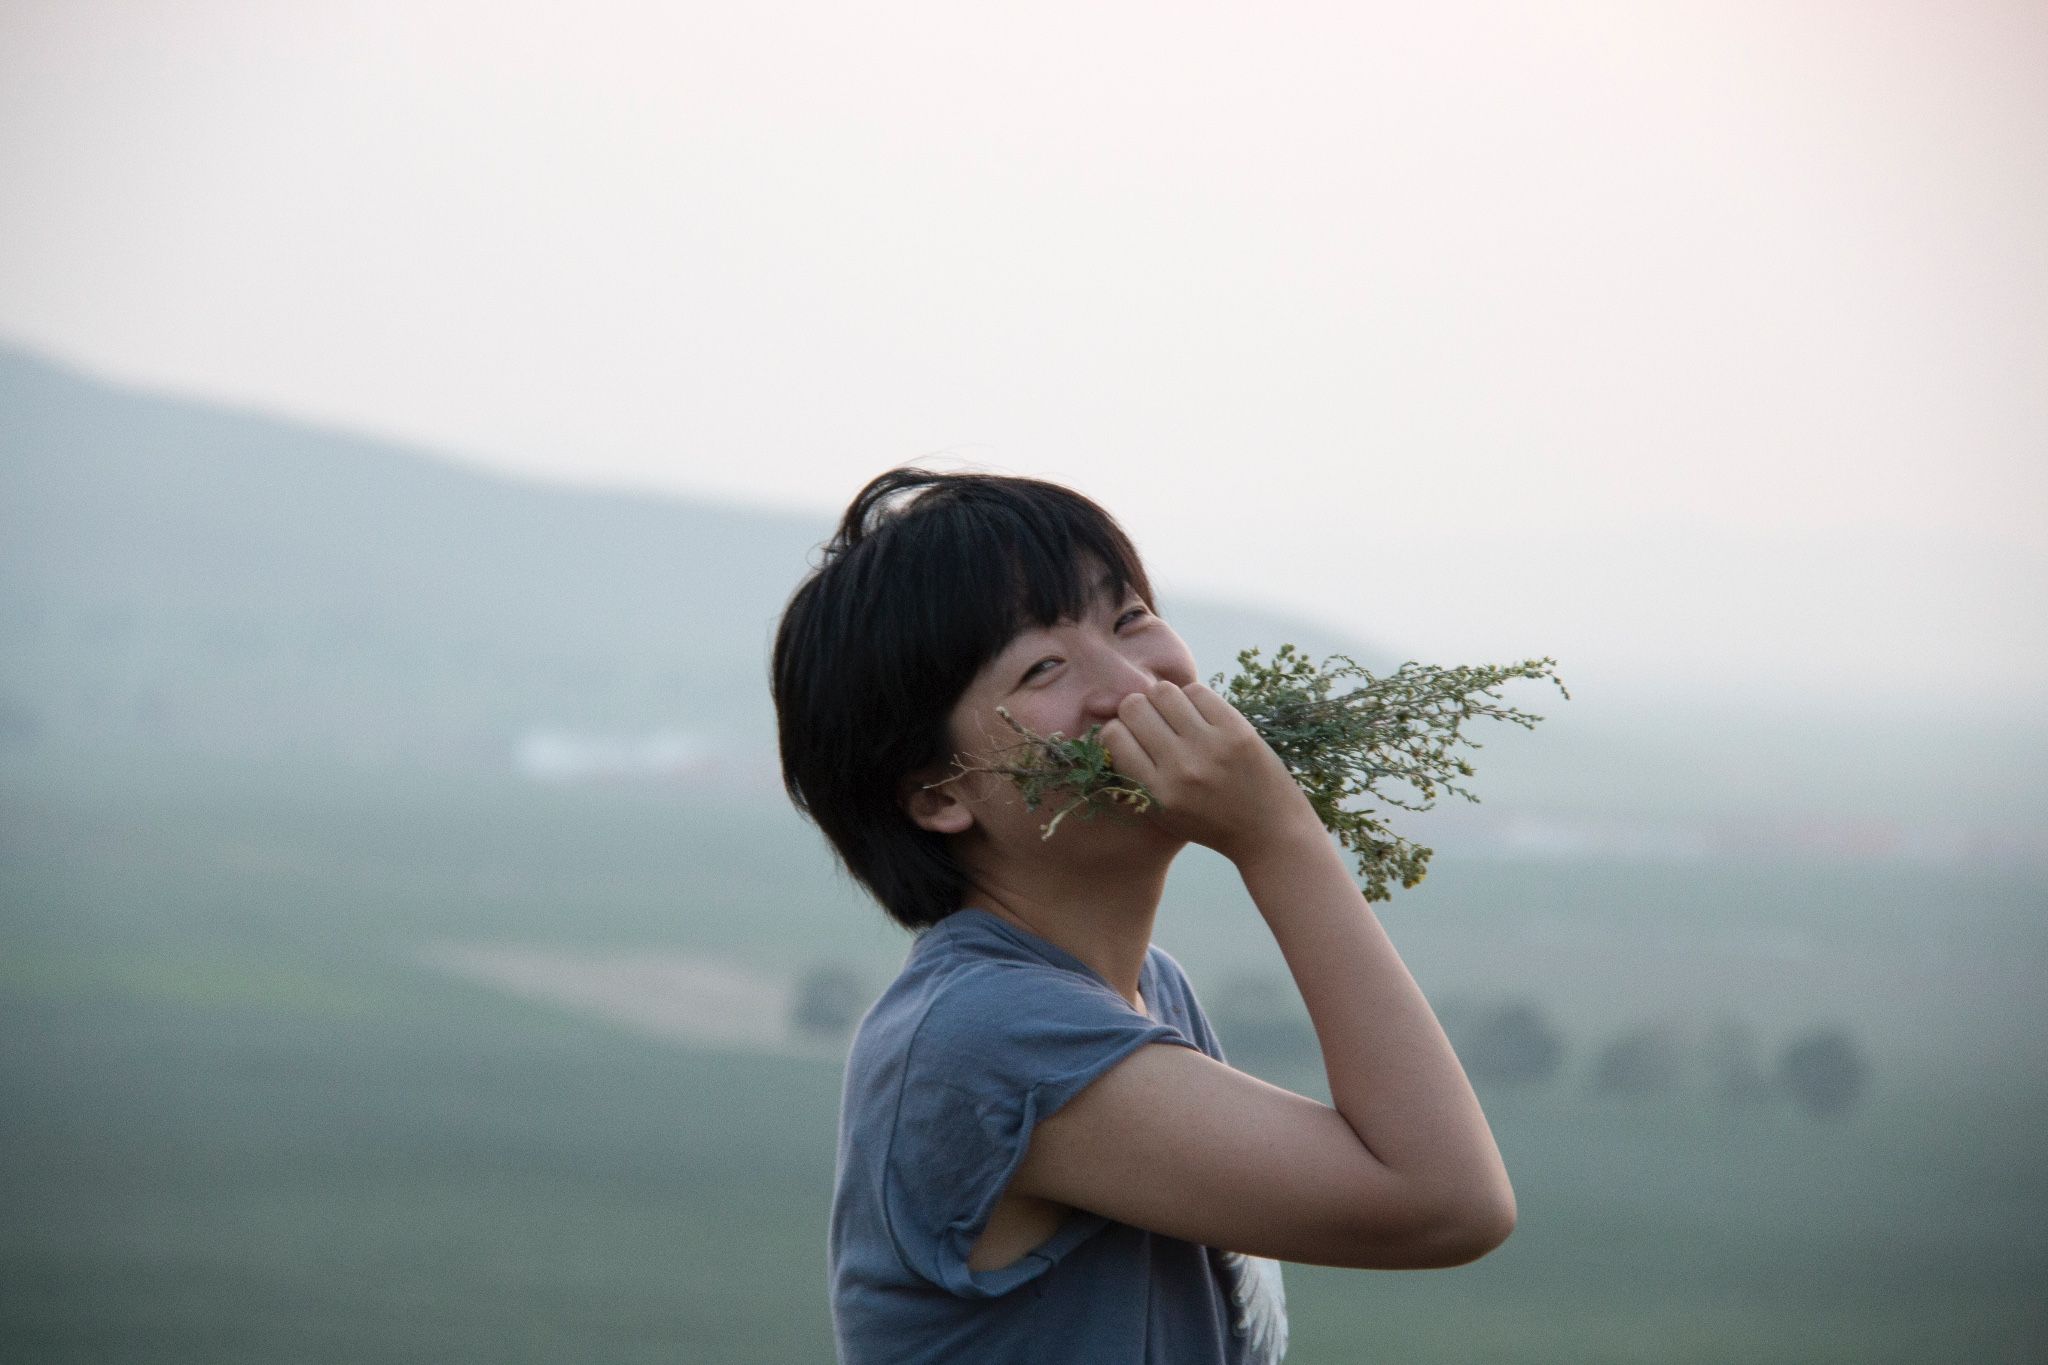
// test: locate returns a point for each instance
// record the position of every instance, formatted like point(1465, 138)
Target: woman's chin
point(1123, 828)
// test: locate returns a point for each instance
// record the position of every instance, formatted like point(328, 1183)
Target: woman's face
point(1073, 674)
point(1061, 678)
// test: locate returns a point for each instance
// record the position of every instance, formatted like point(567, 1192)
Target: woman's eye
point(1036, 668)
point(1133, 614)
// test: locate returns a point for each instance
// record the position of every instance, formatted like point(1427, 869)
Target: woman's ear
point(933, 801)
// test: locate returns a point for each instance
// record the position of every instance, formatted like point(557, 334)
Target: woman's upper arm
point(1176, 1142)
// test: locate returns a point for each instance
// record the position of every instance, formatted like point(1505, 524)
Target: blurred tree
point(1825, 1071)
point(1513, 1042)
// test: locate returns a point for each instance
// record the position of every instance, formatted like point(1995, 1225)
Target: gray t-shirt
point(987, 1031)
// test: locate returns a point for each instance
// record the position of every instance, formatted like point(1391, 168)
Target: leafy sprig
point(1343, 746)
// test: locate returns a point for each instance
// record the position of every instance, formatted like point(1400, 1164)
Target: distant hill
point(181, 575)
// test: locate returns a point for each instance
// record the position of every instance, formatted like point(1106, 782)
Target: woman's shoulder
point(992, 975)
point(972, 960)
point(975, 996)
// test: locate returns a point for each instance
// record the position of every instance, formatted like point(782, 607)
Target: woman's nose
point(1115, 678)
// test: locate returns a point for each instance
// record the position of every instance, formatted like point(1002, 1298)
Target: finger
point(1143, 720)
point(1176, 709)
point(1208, 705)
point(1128, 754)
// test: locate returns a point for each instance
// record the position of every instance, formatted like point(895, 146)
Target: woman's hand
point(1215, 779)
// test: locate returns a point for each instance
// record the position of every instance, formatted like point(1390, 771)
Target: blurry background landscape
point(413, 418)
point(408, 950)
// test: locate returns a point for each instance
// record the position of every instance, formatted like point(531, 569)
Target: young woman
point(1043, 1155)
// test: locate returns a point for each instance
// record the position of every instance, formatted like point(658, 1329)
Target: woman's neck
point(1104, 921)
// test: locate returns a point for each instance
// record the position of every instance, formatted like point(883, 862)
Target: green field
point(244, 1122)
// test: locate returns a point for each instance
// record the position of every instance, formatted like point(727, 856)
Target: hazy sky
point(1698, 345)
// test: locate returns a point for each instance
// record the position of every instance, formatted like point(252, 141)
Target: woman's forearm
point(1392, 1072)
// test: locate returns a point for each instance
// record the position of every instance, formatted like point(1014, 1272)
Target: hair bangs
point(1026, 561)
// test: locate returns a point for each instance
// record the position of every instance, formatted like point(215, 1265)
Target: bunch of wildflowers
point(1343, 746)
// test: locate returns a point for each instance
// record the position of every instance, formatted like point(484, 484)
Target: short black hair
point(929, 576)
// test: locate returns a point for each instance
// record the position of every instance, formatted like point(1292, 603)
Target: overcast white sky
point(1698, 345)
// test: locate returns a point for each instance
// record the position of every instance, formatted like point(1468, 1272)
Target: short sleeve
point(1001, 1049)
point(1178, 1006)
